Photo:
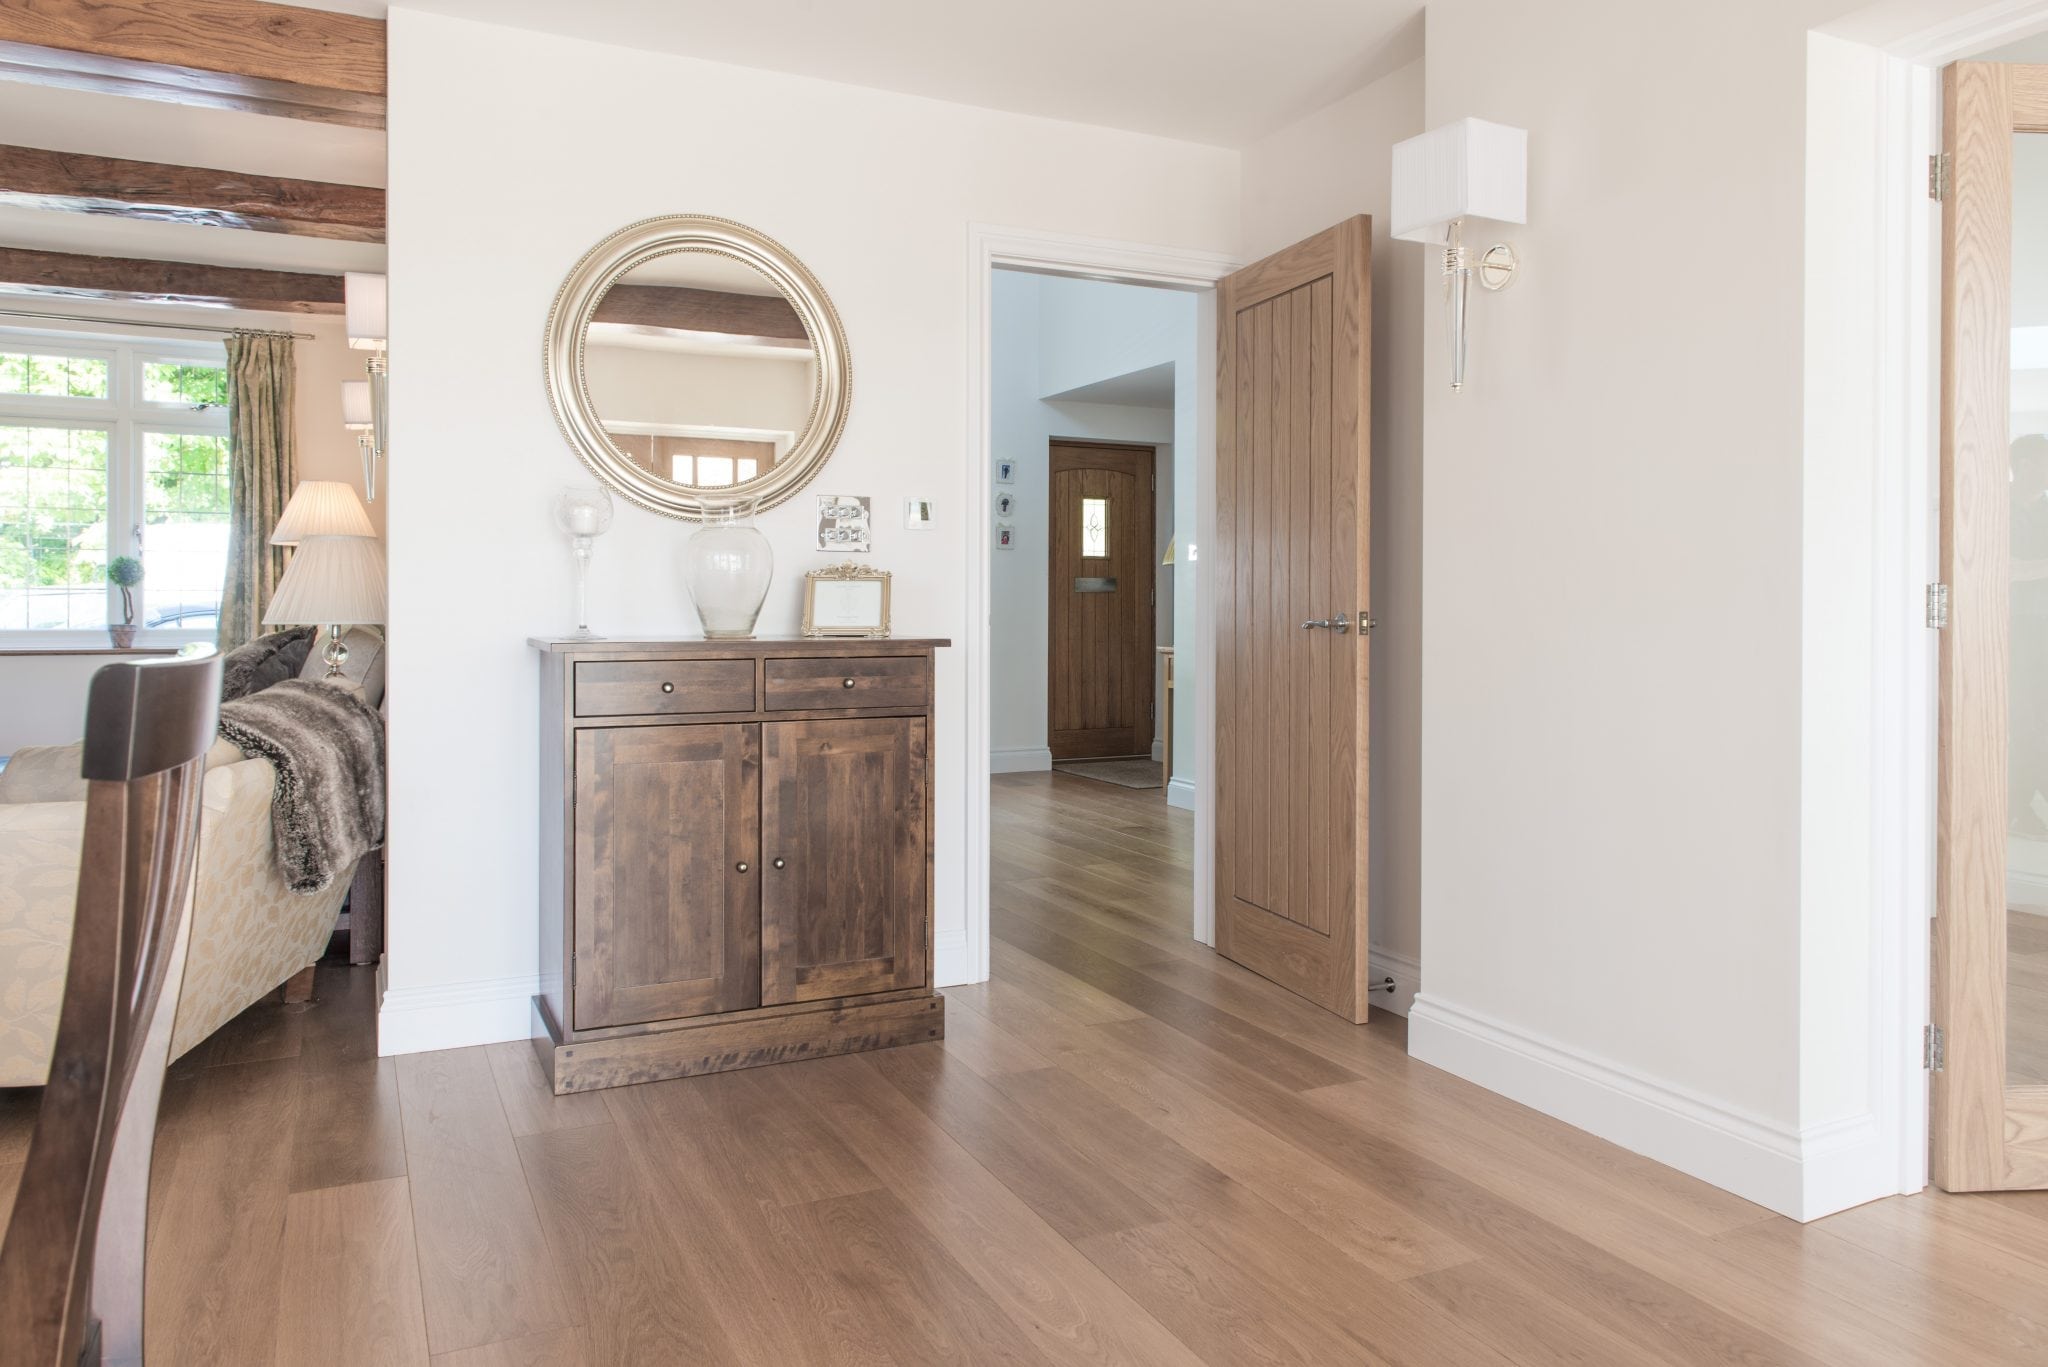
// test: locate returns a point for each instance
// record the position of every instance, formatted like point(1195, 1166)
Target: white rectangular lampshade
point(321, 507)
point(366, 308)
point(332, 579)
point(355, 404)
point(1467, 169)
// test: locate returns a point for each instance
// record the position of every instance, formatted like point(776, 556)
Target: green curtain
point(263, 459)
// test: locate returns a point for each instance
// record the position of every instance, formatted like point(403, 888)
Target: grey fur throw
point(256, 665)
point(327, 745)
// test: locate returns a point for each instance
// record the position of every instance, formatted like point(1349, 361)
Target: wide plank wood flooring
point(1127, 1151)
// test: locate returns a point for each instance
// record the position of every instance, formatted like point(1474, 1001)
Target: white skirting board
point(952, 963)
point(1020, 761)
point(1802, 1175)
point(456, 1015)
point(1180, 792)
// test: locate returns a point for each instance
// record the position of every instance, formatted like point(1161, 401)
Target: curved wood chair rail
point(71, 1263)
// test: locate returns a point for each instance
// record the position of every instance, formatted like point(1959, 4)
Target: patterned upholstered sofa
point(249, 931)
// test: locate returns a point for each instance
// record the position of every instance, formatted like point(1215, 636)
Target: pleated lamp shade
point(321, 507)
point(331, 580)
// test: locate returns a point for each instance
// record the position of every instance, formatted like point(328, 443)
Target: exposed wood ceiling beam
point(225, 54)
point(36, 179)
point(695, 310)
point(65, 276)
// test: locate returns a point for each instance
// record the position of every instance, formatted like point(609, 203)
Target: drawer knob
point(741, 866)
point(846, 683)
point(668, 688)
point(779, 864)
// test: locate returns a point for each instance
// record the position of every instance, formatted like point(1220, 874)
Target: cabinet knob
point(741, 866)
point(668, 688)
point(846, 683)
point(779, 863)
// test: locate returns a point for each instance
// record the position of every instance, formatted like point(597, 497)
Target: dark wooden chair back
point(71, 1263)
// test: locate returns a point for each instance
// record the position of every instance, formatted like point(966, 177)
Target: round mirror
point(694, 363)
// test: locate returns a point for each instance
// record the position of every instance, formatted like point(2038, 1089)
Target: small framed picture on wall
point(1006, 472)
point(1006, 504)
point(1006, 536)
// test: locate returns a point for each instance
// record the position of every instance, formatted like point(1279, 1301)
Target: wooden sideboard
point(735, 854)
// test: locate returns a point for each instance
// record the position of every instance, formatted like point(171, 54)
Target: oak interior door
point(665, 926)
point(1290, 565)
point(843, 854)
point(1989, 1118)
point(1100, 657)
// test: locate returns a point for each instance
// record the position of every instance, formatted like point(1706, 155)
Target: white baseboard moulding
point(952, 965)
point(413, 1020)
point(1030, 761)
point(1801, 1174)
point(1180, 792)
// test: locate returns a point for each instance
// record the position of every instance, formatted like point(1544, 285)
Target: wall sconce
point(1467, 169)
point(359, 415)
point(366, 307)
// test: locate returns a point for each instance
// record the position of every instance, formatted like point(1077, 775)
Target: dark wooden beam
point(36, 179)
point(62, 275)
point(224, 54)
point(694, 310)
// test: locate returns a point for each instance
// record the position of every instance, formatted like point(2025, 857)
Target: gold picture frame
point(855, 602)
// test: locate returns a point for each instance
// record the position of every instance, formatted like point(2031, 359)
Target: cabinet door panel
point(843, 809)
point(666, 926)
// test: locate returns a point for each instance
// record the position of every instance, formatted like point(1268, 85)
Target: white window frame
point(127, 418)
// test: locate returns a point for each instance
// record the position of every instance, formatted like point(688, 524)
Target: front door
point(1293, 467)
point(1100, 656)
point(1989, 1118)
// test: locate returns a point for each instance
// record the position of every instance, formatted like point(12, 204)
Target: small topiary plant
point(125, 572)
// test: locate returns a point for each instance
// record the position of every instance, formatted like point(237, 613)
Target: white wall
point(42, 701)
point(1612, 730)
point(876, 193)
point(1335, 163)
point(1050, 335)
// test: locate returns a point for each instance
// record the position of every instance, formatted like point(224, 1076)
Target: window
point(111, 447)
point(1094, 527)
point(713, 472)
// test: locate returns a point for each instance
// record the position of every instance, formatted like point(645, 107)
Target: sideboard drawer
point(653, 688)
point(848, 681)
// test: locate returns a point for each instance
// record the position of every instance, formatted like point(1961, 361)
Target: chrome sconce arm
point(1495, 268)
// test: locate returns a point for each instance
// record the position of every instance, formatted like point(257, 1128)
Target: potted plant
point(124, 572)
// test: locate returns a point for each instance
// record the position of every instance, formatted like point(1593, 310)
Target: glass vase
point(727, 568)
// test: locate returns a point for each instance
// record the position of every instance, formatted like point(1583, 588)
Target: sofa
point(250, 931)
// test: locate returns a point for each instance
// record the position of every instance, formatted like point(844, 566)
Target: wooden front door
point(664, 927)
point(1293, 465)
point(1989, 1116)
point(1103, 571)
point(843, 887)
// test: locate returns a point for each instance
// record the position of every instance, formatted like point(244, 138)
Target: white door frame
point(988, 247)
point(1904, 352)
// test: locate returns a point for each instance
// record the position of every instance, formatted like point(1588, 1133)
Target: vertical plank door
point(664, 925)
point(1293, 467)
point(1100, 660)
point(843, 845)
point(1989, 1099)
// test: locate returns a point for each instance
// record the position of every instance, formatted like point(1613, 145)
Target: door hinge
point(1937, 176)
point(1934, 1049)
point(1937, 606)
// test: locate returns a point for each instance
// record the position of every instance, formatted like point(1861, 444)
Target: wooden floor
point(1126, 1152)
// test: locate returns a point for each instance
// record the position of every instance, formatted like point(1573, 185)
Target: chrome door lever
point(1312, 624)
point(1340, 624)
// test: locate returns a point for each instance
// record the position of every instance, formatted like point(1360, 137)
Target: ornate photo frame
point(847, 601)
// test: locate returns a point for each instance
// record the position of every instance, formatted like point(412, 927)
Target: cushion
point(44, 773)
point(255, 666)
point(365, 667)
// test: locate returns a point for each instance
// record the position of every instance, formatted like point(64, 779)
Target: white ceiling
point(1216, 71)
point(1151, 387)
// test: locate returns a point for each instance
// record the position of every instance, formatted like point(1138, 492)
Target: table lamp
point(332, 582)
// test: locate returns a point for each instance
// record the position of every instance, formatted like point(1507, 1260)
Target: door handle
point(1341, 623)
point(1313, 623)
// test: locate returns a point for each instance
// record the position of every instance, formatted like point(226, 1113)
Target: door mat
point(1124, 773)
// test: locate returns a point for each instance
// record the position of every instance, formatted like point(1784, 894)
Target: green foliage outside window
point(63, 377)
point(169, 382)
point(53, 500)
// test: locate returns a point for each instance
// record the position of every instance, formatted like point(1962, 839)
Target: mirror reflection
point(700, 370)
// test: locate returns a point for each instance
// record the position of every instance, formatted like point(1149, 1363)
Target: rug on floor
point(1124, 773)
